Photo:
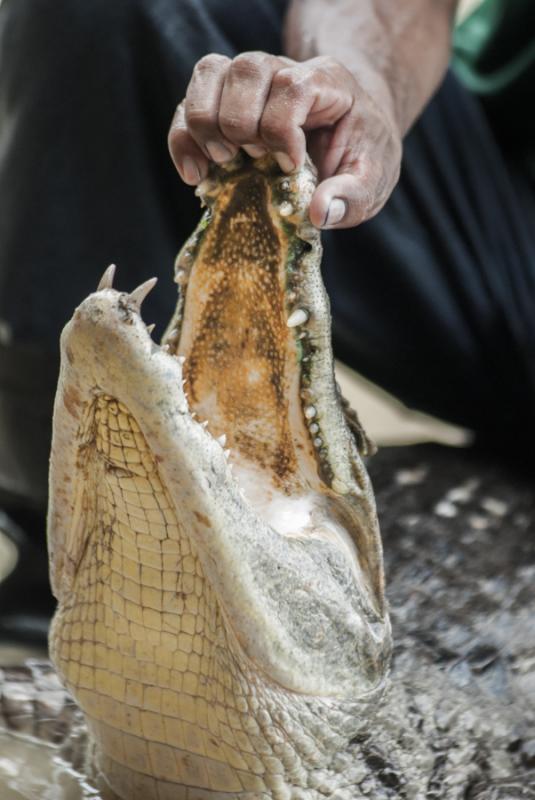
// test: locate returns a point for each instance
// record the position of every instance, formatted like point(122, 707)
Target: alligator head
point(214, 545)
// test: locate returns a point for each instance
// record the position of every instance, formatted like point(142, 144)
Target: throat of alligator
point(242, 365)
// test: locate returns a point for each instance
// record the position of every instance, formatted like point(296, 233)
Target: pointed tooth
point(165, 348)
point(150, 328)
point(106, 282)
point(310, 412)
point(227, 453)
point(285, 209)
point(222, 439)
point(138, 295)
point(205, 186)
point(297, 317)
point(181, 359)
point(339, 486)
point(204, 424)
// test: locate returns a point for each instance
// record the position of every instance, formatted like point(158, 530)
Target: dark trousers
point(434, 299)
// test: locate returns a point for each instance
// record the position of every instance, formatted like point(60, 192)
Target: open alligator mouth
point(213, 537)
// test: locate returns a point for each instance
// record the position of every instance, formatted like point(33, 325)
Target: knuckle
point(249, 65)
point(200, 118)
point(177, 139)
point(211, 63)
point(292, 82)
point(328, 64)
point(237, 124)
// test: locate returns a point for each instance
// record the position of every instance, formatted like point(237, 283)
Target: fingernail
point(219, 152)
point(254, 150)
point(284, 162)
point(336, 211)
point(190, 170)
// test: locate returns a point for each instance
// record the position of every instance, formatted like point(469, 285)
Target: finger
point(358, 168)
point(318, 145)
point(303, 97)
point(203, 99)
point(244, 95)
point(188, 158)
point(345, 200)
point(283, 117)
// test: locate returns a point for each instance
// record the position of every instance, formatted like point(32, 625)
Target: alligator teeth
point(318, 441)
point(310, 412)
point(165, 348)
point(150, 328)
point(181, 359)
point(227, 453)
point(297, 317)
point(205, 186)
point(138, 295)
point(339, 487)
point(222, 439)
point(106, 282)
point(204, 424)
point(314, 428)
point(285, 209)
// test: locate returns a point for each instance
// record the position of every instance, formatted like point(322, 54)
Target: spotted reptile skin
point(223, 632)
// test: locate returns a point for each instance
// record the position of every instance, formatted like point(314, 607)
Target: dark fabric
point(433, 299)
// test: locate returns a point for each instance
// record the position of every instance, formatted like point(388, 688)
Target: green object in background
point(494, 57)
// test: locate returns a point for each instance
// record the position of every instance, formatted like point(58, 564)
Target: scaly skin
point(221, 619)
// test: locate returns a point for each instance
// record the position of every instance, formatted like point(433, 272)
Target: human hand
point(270, 103)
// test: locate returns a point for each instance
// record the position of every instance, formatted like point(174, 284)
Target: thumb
point(345, 200)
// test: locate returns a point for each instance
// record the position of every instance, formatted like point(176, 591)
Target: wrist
point(398, 59)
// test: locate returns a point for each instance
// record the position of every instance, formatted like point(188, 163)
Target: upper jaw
point(306, 612)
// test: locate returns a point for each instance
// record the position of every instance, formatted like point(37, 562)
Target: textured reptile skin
point(458, 720)
point(144, 650)
point(221, 642)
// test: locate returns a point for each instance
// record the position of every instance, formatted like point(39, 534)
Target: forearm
point(397, 49)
